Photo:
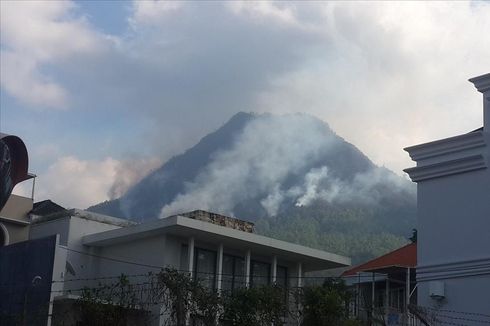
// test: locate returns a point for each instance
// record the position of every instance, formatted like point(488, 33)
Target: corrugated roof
point(405, 256)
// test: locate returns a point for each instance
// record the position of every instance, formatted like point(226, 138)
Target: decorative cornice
point(446, 146)
point(437, 170)
point(450, 270)
point(482, 83)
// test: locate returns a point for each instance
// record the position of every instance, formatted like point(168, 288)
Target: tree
point(326, 305)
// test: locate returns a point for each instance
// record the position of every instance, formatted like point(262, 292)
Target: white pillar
point(274, 269)
point(190, 255)
point(219, 268)
point(300, 274)
point(248, 256)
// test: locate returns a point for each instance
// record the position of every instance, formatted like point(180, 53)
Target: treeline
point(361, 233)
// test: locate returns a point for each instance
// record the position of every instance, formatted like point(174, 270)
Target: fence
point(172, 298)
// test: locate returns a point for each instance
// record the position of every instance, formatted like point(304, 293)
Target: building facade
point(384, 287)
point(222, 252)
point(453, 195)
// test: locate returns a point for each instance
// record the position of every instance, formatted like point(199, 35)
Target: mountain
point(292, 176)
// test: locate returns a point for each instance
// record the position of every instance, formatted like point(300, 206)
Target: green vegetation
point(178, 298)
point(361, 233)
point(326, 305)
point(258, 306)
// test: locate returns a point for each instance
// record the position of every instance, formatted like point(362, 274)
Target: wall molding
point(450, 270)
point(456, 166)
point(447, 146)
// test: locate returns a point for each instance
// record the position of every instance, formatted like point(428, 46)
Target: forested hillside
point(292, 176)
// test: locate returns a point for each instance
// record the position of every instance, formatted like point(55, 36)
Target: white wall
point(454, 234)
point(453, 198)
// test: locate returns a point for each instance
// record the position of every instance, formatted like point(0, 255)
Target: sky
point(102, 92)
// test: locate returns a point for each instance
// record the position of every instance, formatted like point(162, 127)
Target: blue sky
point(104, 90)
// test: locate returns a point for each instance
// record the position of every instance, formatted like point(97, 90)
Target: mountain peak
point(254, 165)
point(291, 175)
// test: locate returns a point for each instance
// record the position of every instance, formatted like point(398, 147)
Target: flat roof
point(312, 259)
point(87, 215)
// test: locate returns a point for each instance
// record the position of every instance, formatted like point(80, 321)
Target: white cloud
point(72, 182)
point(384, 75)
point(35, 33)
point(264, 10)
point(20, 77)
point(152, 11)
point(78, 183)
point(392, 75)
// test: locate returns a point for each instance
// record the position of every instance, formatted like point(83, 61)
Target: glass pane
point(205, 267)
point(282, 276)
point(239, 273)
point(184, 263)
point(227, 277)
point(260, 273)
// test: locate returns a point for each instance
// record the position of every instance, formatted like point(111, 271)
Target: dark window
point(282, 277)
point(184, 259)
point(205, 267)
point(282, 281)
point(260, 273)
point(233, 274)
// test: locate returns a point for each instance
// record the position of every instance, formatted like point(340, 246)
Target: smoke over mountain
point(266, 157)
point(259, 165)
point(290, 174)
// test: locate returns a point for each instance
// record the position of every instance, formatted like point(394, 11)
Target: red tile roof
point(402, 257)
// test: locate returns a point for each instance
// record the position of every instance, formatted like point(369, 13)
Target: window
point(282, 277)
point(184, 259)
point(260, 273)
point(233, 273)
point(205, 267)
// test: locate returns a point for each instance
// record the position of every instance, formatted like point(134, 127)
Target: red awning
point(404, 257)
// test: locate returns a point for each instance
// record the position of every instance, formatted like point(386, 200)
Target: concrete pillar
point(248, 256)
point(300, 274)
point(190, 255)
point(219, 268)
point(274, 270)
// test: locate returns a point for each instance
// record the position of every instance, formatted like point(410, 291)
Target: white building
point(14, 220)
point(453, 183)
point(90, 247)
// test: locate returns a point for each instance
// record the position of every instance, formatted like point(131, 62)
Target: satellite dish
point(13, 165)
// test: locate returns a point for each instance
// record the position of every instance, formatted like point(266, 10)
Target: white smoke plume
point(130, 172)
point(268, 151)
point(362, 189)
